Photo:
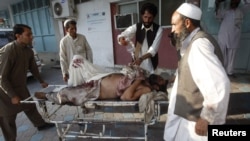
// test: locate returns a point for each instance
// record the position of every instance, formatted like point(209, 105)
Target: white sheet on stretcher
point(84, 71)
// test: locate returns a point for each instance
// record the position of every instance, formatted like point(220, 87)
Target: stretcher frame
point(64, 128)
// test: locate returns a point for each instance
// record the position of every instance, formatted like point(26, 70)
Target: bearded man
point(147, 37)
point(200, 93)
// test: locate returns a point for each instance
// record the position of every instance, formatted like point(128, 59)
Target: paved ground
point(26, 131)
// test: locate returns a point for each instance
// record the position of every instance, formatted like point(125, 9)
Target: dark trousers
point(8, 123)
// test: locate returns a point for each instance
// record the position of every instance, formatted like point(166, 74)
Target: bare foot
point(40, 95)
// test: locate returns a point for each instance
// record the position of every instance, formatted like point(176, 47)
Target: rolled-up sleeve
point(153, 49)
point(128, 33)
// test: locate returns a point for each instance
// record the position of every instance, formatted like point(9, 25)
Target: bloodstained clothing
point(90, 90)
point(76, 95)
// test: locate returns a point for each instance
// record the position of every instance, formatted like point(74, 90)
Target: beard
point(176, 39)
point(147, 25)
point(29, 44)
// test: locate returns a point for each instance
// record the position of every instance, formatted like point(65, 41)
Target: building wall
point(103, 38)
point(103, 41)
point(108, 53)
point(167, 54)
point(98, 34)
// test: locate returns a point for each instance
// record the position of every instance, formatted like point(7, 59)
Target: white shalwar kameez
point(70, 47)
point(230, 33)
point(211, 79)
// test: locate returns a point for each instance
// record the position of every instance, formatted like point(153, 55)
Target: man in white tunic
point(230, 29)
point(148, 37)
point(201, 89)
point(72, 44)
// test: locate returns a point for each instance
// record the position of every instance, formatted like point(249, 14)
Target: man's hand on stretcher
point(16, 99)
point(40, 95)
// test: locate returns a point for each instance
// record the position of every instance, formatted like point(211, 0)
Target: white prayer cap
point(66, 21)
point(190, 10)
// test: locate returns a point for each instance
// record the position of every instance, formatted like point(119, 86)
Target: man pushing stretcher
point(88, 82)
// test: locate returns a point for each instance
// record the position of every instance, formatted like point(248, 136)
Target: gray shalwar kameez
point(15, 60)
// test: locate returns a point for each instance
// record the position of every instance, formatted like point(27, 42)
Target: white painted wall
point(100, 39)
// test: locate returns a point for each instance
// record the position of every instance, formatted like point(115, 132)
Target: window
point(6, 36)
point(20, 7)
point(4, 19)
point(165, 9)
point(39, 4)
point(122, 21)
point(26, 5)
point(14, 9)
point(128, 8)
point(126, 16)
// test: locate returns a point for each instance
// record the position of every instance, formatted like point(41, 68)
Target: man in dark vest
point(147, 37)
point(200, 93)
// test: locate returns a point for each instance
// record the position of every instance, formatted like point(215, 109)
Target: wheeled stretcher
point(96, 119)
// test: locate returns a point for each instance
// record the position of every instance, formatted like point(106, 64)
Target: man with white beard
point(201, 89)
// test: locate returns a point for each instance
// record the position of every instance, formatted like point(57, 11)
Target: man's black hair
point(19, 29)
point(151, 8)
point(152, 79)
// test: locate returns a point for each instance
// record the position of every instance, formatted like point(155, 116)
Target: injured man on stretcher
point(89, 82)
